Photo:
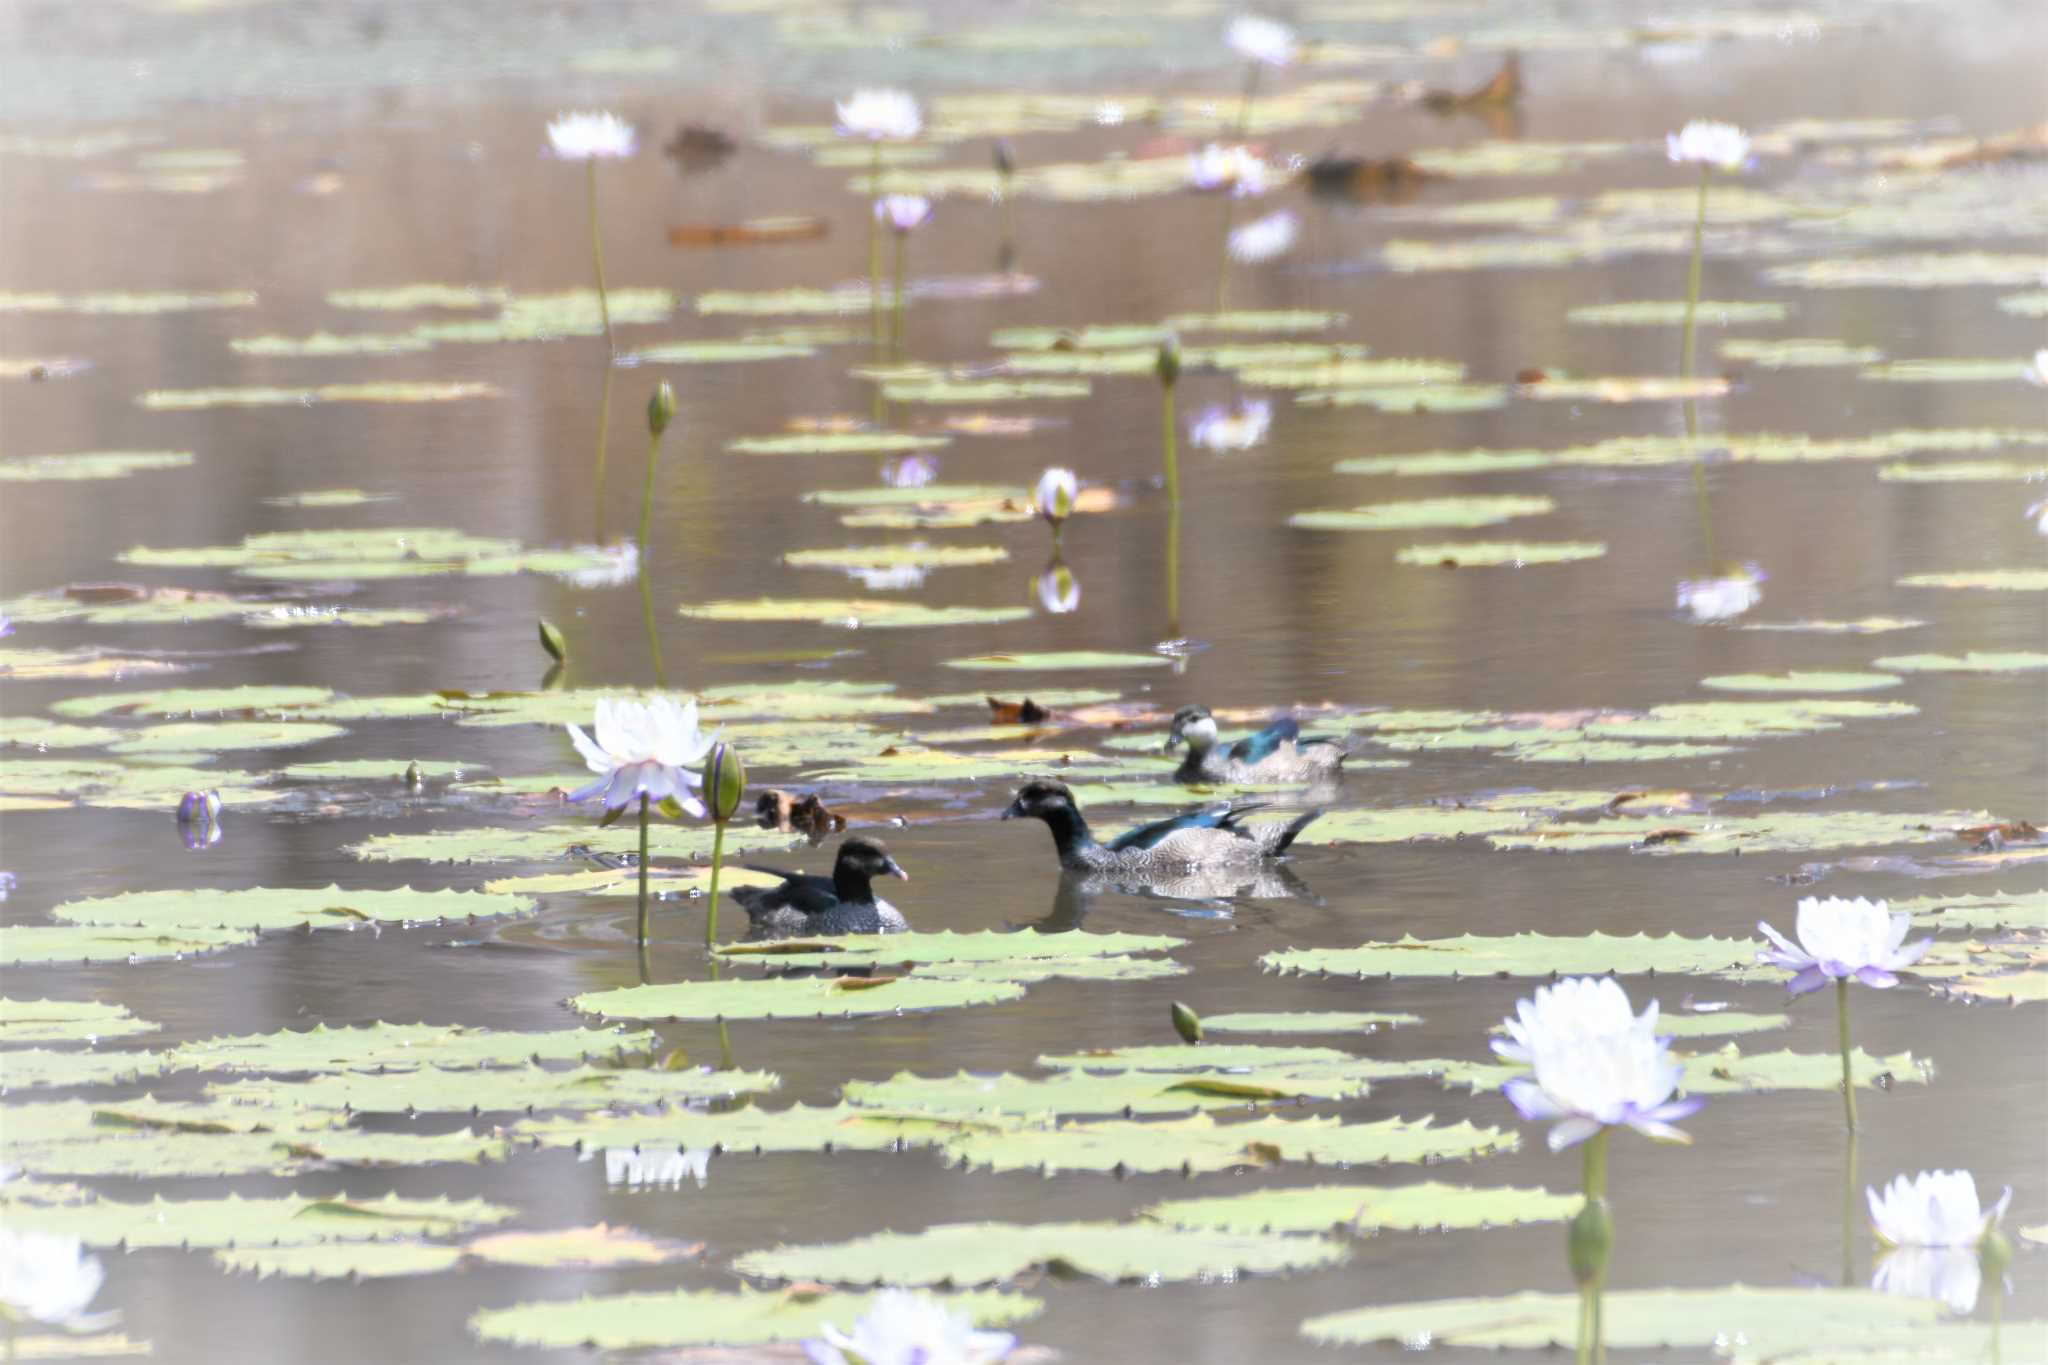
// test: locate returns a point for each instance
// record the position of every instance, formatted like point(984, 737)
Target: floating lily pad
point(1996, 580)
point(948, 946)
point(33, 1067)
point(1199, 1144)
point(2017, 661)
point(792, 998)
point(391, 391)
point(67, 1021)
point(1996, 910)
point(1527, 954)
point(292, 1220)
point(1800, 681)
point(329, 497)
point(406, 298)
point(578, 1248)
point(861, 558)
point(1672, 312)
point(1948, 371)
point(28, 944)
point(1868, 625)
point(966, 1096)
point(837, 443)
point(126, 305)
point(348, 1260)
point(851, 613)
point(152, 1140)
point(1781, 831)
point(1965, 471)
point(703, 1317)
point(323, 344)
point(909, 763)
point(799, 1128)
point(1059, 661)
point(33, 732)
point(190, 737)
point(1410, 398)
point(99, 464)
point(986, 1253)
point(983, 390)
point(1765, 1320)
point(526, 843)
point(1307, 1021)
point(1795, 353)
point(1494, 553)
point(716, 352)
point(1931, 271)
point(288, 908)
point(1364, 1209)
point(385, 1047)
point(1209, 1057)
point(527, 1088)
point(771, 302)
point(1425, 512)
point(1729, 1072)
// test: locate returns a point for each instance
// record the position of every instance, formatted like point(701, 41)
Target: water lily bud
point(1187, 1023)
point(1168, 364)
point(1994, 1254)
point(1591, 1239)
point(551, 640)
point(199, 808)
point(1005, 157)
point(1054, 497)
point(725, 781)
point(661, 409)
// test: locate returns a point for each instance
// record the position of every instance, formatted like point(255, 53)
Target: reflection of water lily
point(6, 625)
point(903, 212)
point(613, 565)
point(893, 578)
point(2038, 514)
point(1237, 169)
point(1724, 598)
point(1266, 239)
point(2037, 371)
point(1703, 143)
point(1231, 429)
point(1265, 41)
point(1950, 1274)
point(1596, 1065)
point(592, 136)
point(1059, 592)
point(879, 115)
point(199, 808)
point(639, 1170)
point(910, 471)
point(643, 748)
point(1055, 494)
point(1933, 1209)
point(902, 1328)
point(48, 1279)
point(1839, 939)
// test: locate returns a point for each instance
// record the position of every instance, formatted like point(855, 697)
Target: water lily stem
point(1692, 277)
point(647, 620)
point(1223, 249)
point(641, 931)
point(724, 1038)
point(711, 906)
point(1169, 430)
point(1842, 1025)
point(1699, 497)
point(1593, 1334)
point(875, 244)
point(1596, 1166)
point(604, 308)
point(896, 322)
point(1849, 1219)
point(647, 501)
point(604, 427)
point(1244, 105)
point(1006, 182)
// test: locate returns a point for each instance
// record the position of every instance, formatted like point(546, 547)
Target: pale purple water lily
point(1933, 1209)
point(902, 1328)
point(903, 212)
point(49, 1279)
point(1705, 143)
point(1265, 239)
point(910, 471)
point(1595, 1065)
point(195, 808)
point(1721, 599)
point(1840, 939)
point(1055, 494)
point(590, 136)
point(880, 116)
point(1238, 427)
point(6, 625)
point(1236, 169)
point(636, 1169)
point(1059, 592)
point(643, 749)
point(1266, 41)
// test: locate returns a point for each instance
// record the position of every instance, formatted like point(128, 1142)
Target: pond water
point(290, 155)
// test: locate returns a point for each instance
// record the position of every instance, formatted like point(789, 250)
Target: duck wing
point(1263, 744)
point(1223, 815)
point(813, 895)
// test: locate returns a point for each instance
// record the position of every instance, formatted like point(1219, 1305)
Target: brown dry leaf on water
point(1502, 90)
point(793, 814)
point(593, 1247)
point(2020, 145)
point(1394, 180)
point(753, 232)
point(1665, 802)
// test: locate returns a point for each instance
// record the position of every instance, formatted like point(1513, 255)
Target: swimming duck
point(1202, 836)
point(1277, 753)
point(843, 903)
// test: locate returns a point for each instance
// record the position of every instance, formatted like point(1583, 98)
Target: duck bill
point(1173, 741)
point(1015, 810)
point(895, 869)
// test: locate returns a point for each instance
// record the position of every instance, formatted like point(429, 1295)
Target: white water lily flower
point(2038, 514)
point(1059, 592)
point(1724, 598)
point(2037, 371)
point(643, 748)
point(1841, 938)
point(880, 116)
point(910, 471)
point(636, 1170)
point(49, 1279)
point(1933, 1209)
point(1950, 1274)
point(1266, 41)
point(612, 565)
point(903, 212)
point(1596, 1065)
point(590, 136)
point(1237, 169)
point(1228, 430)
point(1702, 143)
point(1055, 494)
point(1266, 239)
point(902, 1328)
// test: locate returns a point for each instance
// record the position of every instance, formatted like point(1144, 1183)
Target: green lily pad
point(1728, 1072)
point(792, 998)
point(799, 1128)
point(351, 1260)
point(33, 732)
point(378, 770)
point(153, 1140)
point(1996, 910)
point(1965, 471)
point(382, 1047)
point(193, 701)
point(67, 1021)
point(30, 944)
point(330, 497)
point(1799, 681)
point(1995, 580)
point(1672, 312)
point(407, 298)
point(1526, 954)
point(1867, 625)
point(838, 443)
point(1365, 1209)
point(773, 302)
point(525, 844)
point(382, 552)
point(851, 613)
point(966, 1096)
point(1426, 512)
point(1200, 1144)
point(1408, 398)
point(705, 1317)
point(1794, 353)
point(392, 391)
point(1059, 661)
point(949, 947)
point(528, 1088)
point(185, 738)
point(180, 606)
point(1307, 1021)
point(1208, 1057)
point(578, 1248)
point(717, 352)
point(1930, 271)
point(324, 344)
point(909, 763)
point(99, 464)
point(983, 390)
point(860, 558)
point(1764, 1320)
point(2016, 661)
point(36, 1066)
point(288, 908)
point(1948, 371)
point(292, 1220)
point(126, 305)
point(1469, 554)
point(1780, 831)
point(986, 1253)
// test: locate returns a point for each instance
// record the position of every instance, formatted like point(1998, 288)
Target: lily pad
point(1794, 353)
point(2017, 661)
point(1996, 910)
point(1799, 681)
point(348, 1260)
point(1409, 398)
point(715, 352)
point(526, 843)
point(67, 1021)
point(382, 1047)
point(391, 391)
point(1076, 1092)
point(792, 998)
point(799, 1128)
point(1930, 271)
point(1867, 625)
point(1365, 1209)
point(1059, 661)
point(288, 908)
point(126, 305)
point(1308, 1021)
point(35, 944)
point(1494, 553)
point(1527, 954)
point(703, 1317)
point(1948, 371)
point(1965, 471)
point(292, 1220)
point(34, 1067)
point(1426, 512)
point(190, 737)
point(1672, 313)
point(851, 613)
point(951, 1254)
point(99, 464)
point(865, 558)
point(949, 947)
point(1199, 1144)
point(983, 390)
point(407, 298)
point(1995, 580)
point(837, 443)
point(527, 1088)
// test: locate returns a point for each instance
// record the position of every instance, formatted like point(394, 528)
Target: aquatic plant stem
point(724, 1038)
point(647, 501)
point(604, 308)
point(1842, 1027)
point(647, 620)
point(1169, 430)
point(1223, 250)
point(711, 906)
point(1244, 105)
point(875, 244)
point(641, 928)
point(1592, 1330)
point(604, 427)
point(1692, 277)
point(1009, 224)
point(896, 321)
point(1849, 1220)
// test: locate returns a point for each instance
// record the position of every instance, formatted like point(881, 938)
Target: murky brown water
point(444, 181)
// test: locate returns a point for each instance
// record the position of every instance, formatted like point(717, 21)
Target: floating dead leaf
point(1504, 88)
point(1025, 712)
point(1393, 179)
point(792, 814)
point(752, 232)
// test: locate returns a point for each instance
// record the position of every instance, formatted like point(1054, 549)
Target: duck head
point(1194, 727)
point(860, 861)
point(1042, 799)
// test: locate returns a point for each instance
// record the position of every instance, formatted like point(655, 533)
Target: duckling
point(1201, 836)
point(843, 903)
point(1277, 753)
